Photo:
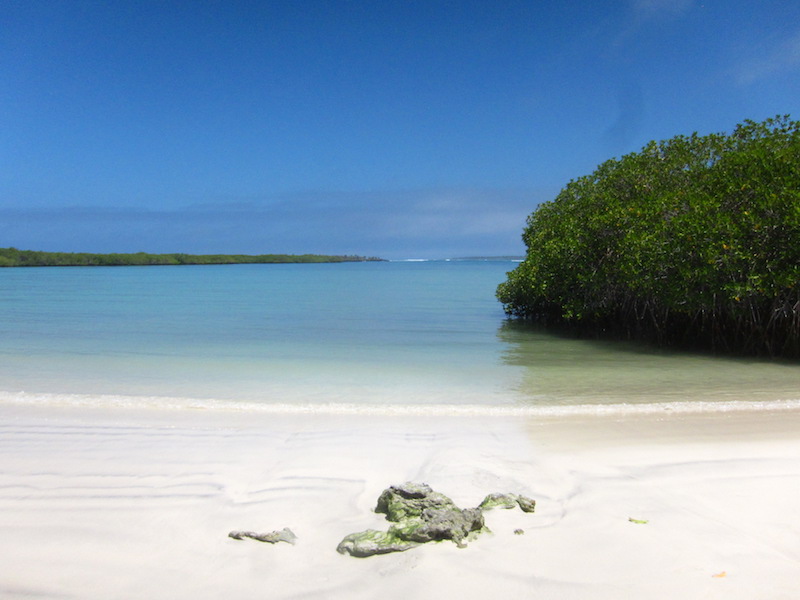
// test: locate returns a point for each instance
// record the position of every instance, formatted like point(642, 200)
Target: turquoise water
point(354, 335)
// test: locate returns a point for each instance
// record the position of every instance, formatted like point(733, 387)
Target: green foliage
point(11, 257)
point(692, 240)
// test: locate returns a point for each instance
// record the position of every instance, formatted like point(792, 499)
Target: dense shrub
point(692, 240)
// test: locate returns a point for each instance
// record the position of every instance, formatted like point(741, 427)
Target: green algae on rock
point(508, 501)
point(372, 541)
point(436, 524)
point(409, 500)
point(422, 515)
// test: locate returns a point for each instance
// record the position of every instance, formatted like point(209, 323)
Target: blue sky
point(396, 129)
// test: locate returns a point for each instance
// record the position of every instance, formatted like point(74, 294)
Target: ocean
point(386, 337)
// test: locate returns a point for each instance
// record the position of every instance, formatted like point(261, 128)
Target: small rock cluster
point(422, 515)
point(418, 514)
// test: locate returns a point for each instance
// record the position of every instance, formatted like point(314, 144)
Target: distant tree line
point(11, 257)
point(691, 241)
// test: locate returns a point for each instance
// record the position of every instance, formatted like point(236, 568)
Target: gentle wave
point(174, 403)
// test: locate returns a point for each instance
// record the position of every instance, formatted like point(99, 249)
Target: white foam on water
point(342, 408)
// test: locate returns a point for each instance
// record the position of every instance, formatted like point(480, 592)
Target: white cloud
point(777, 59)
point(432, 222)
point(649, 9)
point(644, 13)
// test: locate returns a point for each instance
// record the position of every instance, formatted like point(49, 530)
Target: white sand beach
point(123, 504)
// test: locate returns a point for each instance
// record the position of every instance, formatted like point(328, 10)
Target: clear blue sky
point(398, 129)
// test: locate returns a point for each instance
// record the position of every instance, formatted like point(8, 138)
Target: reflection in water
point(558, 369)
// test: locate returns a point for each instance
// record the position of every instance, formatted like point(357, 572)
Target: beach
point(138, 503)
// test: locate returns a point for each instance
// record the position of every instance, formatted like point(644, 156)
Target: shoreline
point(108, 402)
point(98, 503)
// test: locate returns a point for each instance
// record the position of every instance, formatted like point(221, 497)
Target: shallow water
point(388, 336)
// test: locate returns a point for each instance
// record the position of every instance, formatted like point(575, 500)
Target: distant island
point(11, 257)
